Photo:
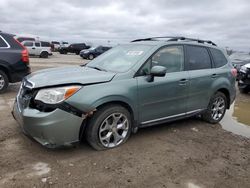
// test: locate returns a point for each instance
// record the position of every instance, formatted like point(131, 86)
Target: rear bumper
point(51, 129)
point(17, 76)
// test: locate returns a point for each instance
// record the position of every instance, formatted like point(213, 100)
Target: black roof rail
point(154, 38)
point(176, 39)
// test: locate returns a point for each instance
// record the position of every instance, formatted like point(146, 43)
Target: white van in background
point(38, 48)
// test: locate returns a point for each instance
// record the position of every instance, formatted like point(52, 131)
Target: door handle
point(33, 48)
point(183, 81)
point(214, 75)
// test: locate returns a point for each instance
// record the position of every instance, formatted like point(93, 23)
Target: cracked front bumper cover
point(51, 129)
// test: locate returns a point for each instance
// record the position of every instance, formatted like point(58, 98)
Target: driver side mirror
point(158, 71)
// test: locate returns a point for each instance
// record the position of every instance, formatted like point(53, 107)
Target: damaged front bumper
point(244, 78)
point(51, 129)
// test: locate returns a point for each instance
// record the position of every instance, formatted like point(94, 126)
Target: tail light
point(234, 72)
point(25, 56)
point(25, 53)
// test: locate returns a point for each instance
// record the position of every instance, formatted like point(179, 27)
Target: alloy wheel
point(113, 130)
point(2, 82)
point(218, 108)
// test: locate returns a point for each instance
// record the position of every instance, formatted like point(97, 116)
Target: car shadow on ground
point(143, 134)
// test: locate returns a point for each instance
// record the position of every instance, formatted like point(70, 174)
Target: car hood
point(84, 51)
point(68, 75)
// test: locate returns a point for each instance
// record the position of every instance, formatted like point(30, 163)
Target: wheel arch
point(5, 70)
point(117, 102)
point(227, 94)
point(113, 102)
point(44, 51)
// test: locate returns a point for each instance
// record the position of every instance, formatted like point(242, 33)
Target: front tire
point(109, 127)
point(63, 52)
point(4, 82)
point(91, 57)
point(216, 108)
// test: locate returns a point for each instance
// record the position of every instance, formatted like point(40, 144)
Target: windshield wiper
point(97, 68)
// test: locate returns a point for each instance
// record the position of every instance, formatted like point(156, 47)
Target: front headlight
point(56, 95)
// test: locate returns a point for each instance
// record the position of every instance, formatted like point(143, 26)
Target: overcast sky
point(222, 21)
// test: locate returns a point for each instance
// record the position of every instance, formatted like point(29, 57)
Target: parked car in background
point(143, 83)
point(36, 48)
point(64, 44)
point(14, 61)
point(73, 48)
point(21, 39)
point(239, 59)
point(55, 45)
point(244, 78)
point(93, 52)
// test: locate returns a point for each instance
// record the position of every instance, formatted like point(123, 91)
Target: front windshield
point(120, 58)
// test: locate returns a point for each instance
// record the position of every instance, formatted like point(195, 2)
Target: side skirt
point(170, 118)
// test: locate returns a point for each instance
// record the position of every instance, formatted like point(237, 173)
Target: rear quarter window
point(218, 57)
point(3, 44)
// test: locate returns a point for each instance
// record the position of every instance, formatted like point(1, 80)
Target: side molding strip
point(173, 116)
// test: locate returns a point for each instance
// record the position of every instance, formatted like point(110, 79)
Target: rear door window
point(198, 58)
point(218, 57)
point(81, 46)
point(3, 44)
point(37, 44)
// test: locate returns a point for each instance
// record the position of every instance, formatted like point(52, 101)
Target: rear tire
point(109, 127)
point(4, 82)
point(216, 108)
point(44, 55)
point(63, 52)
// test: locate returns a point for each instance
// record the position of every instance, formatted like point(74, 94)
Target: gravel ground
point(188, 153)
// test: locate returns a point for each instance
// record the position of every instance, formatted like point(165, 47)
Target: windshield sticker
point(134, 53)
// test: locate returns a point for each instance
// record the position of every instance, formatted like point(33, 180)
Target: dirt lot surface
point(188, 153)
